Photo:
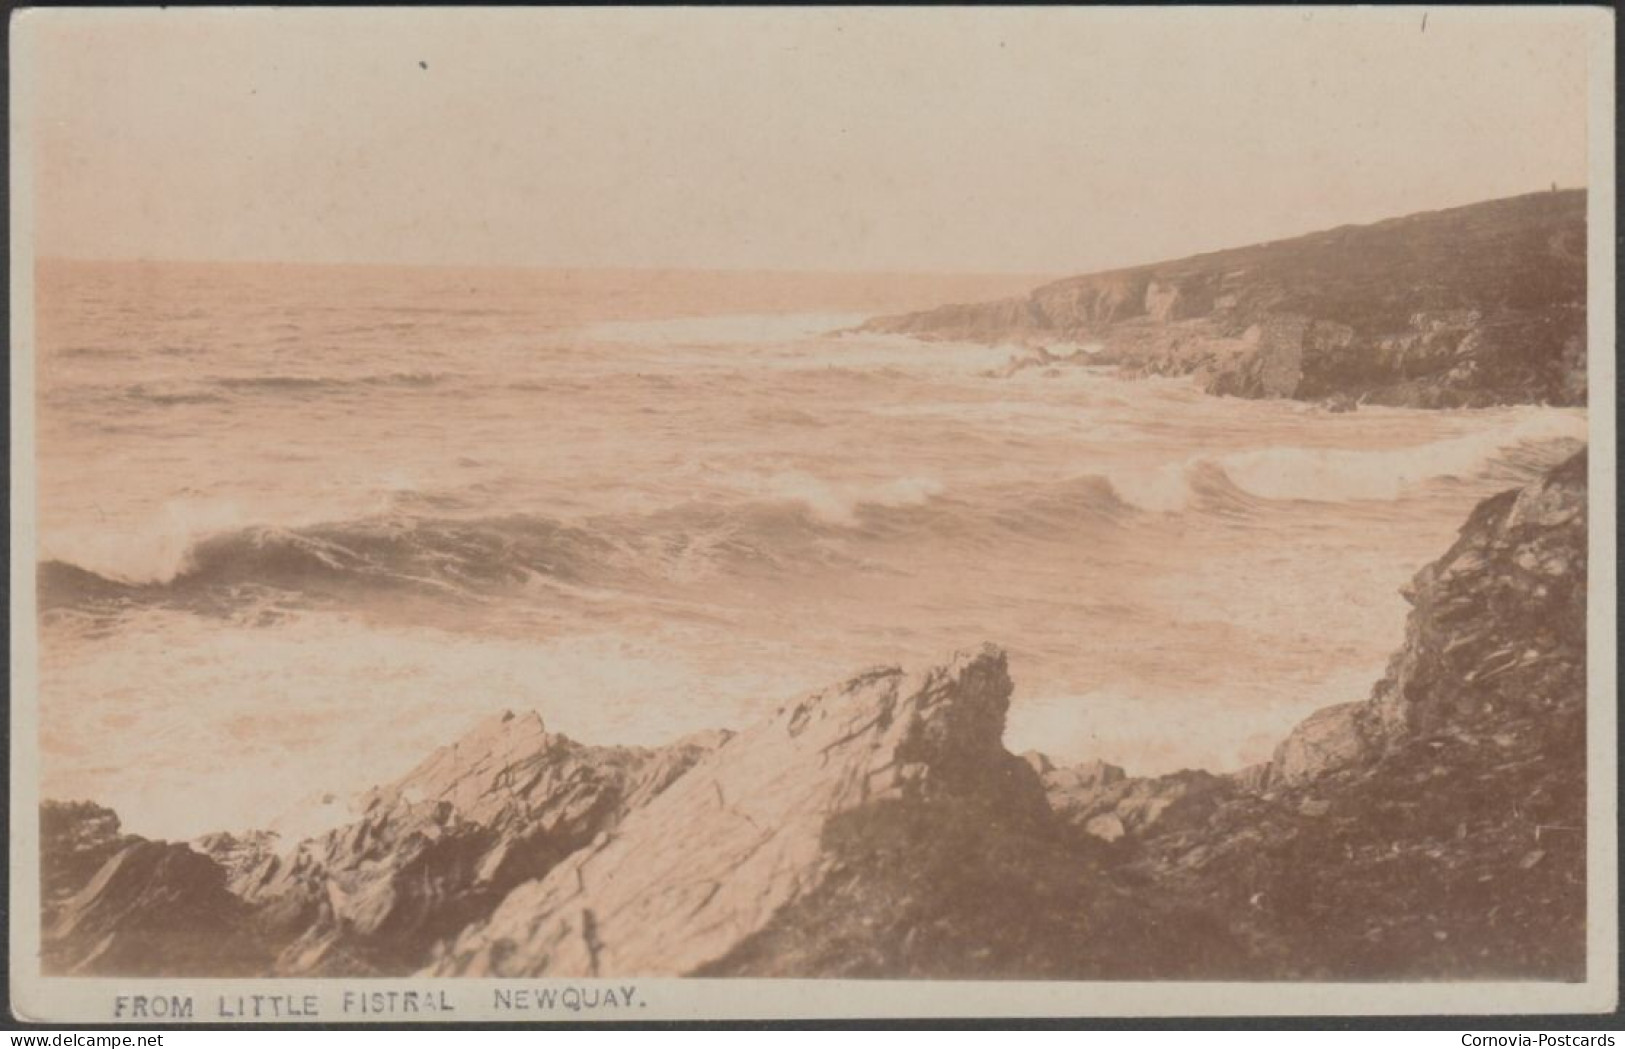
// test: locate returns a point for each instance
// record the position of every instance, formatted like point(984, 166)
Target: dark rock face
point(879, 828)
point(1438, 827)
point(1498, 634)
point(76, 838)
point(1471, 306)
point(932, 890)
point(1106, 803)
point(154, 908)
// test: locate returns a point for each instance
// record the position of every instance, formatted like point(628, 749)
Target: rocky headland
point(1467, 307)
point(1432, 829)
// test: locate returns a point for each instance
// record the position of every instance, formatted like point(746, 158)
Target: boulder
point(1329, 739)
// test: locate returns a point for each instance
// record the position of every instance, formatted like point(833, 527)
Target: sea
point(301, 525)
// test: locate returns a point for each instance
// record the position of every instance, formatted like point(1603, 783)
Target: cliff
point(1434, 828)
point(1470, 306)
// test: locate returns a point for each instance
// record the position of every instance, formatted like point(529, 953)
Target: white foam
point(1335, 475)
point(155, 550)
point(836, 502)
point(1332, 475)
point(1162, 489)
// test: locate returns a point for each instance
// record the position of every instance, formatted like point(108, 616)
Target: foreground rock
point(1112, 808)
point(431, 853)
point(685, 879)
point(76, 839)
point(153, 907)
point(1471, 306)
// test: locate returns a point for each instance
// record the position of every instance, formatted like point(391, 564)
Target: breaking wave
point(336, 561)
point(1336, 475)
point(841, 503)
point(447, 557)
point(786, 521)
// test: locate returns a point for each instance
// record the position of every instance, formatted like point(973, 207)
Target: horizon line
point(1036, 274)
point(539, 267)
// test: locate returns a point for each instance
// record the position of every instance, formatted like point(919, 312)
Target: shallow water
point(300, 526)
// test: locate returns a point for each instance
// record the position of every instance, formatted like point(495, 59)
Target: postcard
point(639, 514)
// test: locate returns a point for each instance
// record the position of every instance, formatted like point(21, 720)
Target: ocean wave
point(338, 560)
point(839, 503)
point(222, 390)
point(1239, 480)
point(177, 396)
point(779, 522)
point(1337, 475)
point(216, 565)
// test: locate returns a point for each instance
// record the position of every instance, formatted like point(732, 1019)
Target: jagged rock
point(1470, 306)
point(1088, 775)
point(431, 854)
point(1253, 778)
point(242, 856)
point(1497, 632)
point(1391, 821)
point(154, 908)
point(1039, 762)
point(76, 838)
point(1329, 739)
point(1105, 802)
point(436, 850)
point(683, 880)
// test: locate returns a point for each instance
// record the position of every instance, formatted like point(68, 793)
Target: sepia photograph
point(714, 513)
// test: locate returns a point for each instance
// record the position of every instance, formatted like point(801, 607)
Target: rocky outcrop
point(431, 853)
point(76, 838)
point(1113, 806)
point(1329, 739)
point(154, 907)
point(683, 880)
point(879, 828)
point(1470, 306)
point(1497, 636)
point(435, 851)
point(1437, 827)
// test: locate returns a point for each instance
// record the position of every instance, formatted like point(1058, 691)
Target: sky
point(1022, 140)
